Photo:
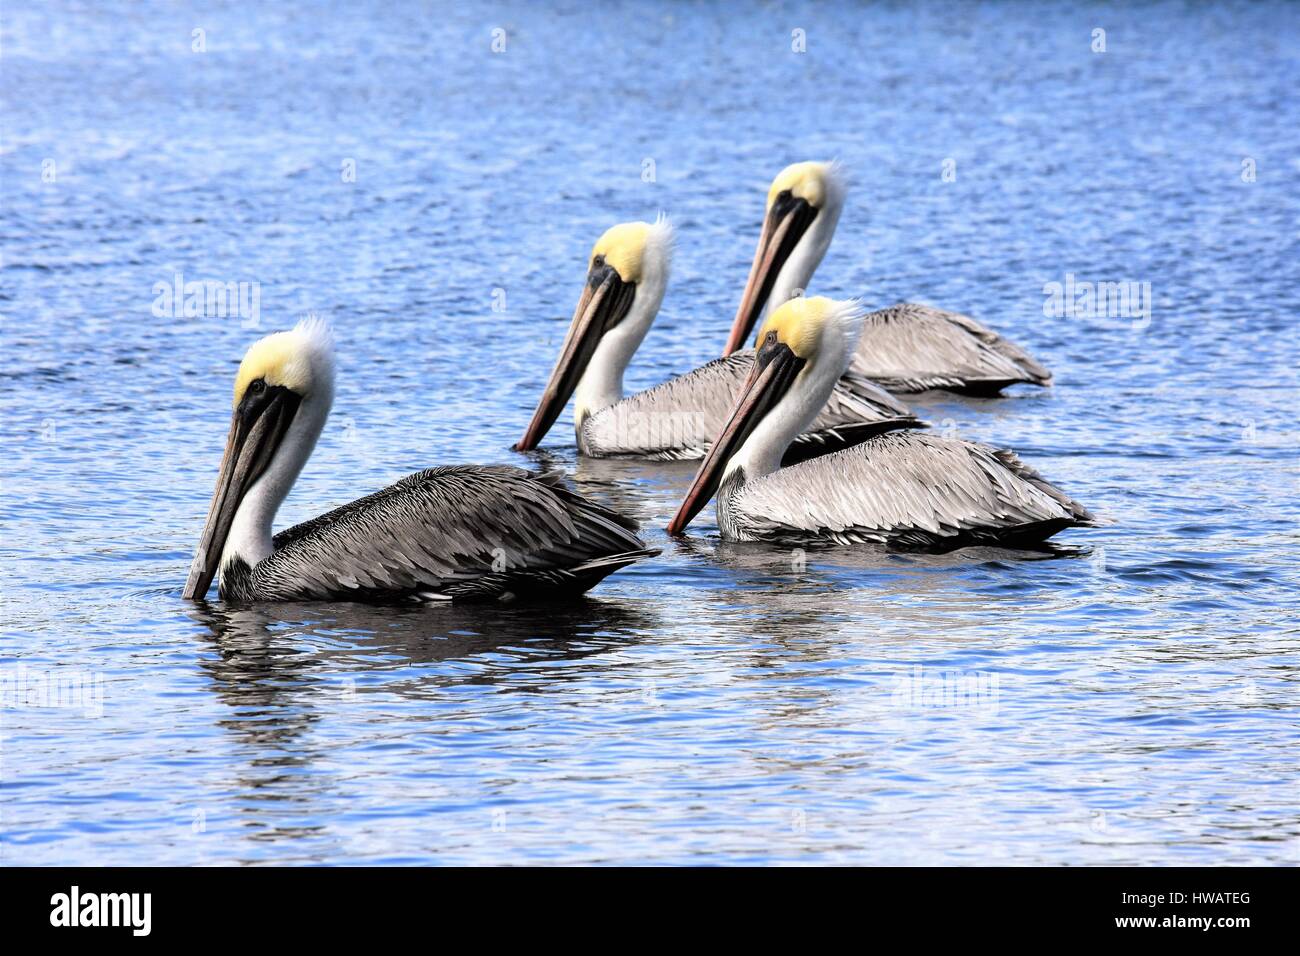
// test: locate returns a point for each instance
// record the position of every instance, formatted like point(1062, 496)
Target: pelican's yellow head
point(626, 277)
point(283, 393)
point(301, 360)
point(815, 183)
point(803, 207)
point(634, 248)
point(816, 326)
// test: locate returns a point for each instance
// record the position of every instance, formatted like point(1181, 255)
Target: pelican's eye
point(256, 387)
point(783, 195)
point(598, 262)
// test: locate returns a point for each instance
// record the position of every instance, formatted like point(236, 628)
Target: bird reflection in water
point(273, 654)
point(804, 596)
point(286, 671)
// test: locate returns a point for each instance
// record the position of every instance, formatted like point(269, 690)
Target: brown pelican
point(626, 277)
point(906, 347)
point(459, 532)
point(906, 489)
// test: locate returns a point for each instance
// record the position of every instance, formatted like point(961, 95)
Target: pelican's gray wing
point(680, 418)
point(465, 531)
point(908, 489)
point(910, 348)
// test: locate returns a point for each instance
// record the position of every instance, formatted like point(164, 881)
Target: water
point(1129, 699)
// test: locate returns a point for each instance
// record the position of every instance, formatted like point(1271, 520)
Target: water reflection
point(269, 654)
point(646, 490)
point(285, 670)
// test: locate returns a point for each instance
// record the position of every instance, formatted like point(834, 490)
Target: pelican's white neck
point(250, 532)
point(601, 384)
point(837, 338)
point(763, 450)
point(797, 273)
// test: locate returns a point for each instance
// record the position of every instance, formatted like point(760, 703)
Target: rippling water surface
point(1130, 697)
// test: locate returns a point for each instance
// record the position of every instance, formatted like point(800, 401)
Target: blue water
point(1132, 698)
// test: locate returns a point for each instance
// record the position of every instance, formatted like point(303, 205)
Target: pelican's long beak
point(786, 223)
point(257, 428)
point(775, 369)
point(605, 301)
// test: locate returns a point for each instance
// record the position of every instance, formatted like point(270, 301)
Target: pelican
point(626, 276)
point(904, 489)
point(467, 532)
point(906, 347)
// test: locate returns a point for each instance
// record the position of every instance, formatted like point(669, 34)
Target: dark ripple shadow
point(273, 650)
point(749, 556)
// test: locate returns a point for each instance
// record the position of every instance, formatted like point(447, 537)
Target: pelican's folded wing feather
point(906, 488)
point(680, 418)
point(910, 348)
point(464, 531)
